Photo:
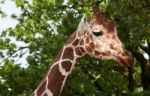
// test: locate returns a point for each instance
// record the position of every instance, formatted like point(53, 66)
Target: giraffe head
point(99, 39)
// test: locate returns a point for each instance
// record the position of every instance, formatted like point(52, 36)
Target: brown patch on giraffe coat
point(42, 88)
point(66, 65)
point(82, 49)
point(87, 40)
point(92, 45)
point(76, 42)
point(81, 42)
point(78, 51)
point(97, 52)
point(104, 54)
point(88, 49)
point(85, 32)
point(108, 53)
point(79, 34)
point(97, 46)
point(55, 80)
point(68, 53)
point(91, 37)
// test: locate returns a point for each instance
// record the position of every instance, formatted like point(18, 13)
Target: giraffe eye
point(97, 32)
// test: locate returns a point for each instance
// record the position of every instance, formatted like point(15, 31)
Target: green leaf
point(51, 1)
point(19, 2)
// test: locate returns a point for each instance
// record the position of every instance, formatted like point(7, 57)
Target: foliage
point(45, 25)
point(2, 14)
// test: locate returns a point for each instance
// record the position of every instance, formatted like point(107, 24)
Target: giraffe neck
point(62, 66)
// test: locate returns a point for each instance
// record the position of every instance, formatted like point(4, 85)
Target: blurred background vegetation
point(44, 26)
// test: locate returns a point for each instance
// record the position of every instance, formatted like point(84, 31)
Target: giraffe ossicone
point(97, 38)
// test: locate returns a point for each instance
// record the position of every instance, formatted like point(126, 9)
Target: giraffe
point(97, 38)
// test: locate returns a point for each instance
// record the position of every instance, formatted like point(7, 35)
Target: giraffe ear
point(82, 25)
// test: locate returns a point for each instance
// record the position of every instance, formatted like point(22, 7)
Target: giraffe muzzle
point(125, 59)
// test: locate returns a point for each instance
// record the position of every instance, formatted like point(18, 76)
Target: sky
point(9, 8)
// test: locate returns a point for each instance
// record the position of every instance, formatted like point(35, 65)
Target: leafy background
point(44, 26)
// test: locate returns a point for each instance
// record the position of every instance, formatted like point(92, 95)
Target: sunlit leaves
point(19, 2)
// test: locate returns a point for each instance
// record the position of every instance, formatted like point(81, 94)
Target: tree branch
point(98, 2)
point(145, 77)
point(131, 80)
point(139, 57)
point(96, 84)
point(15, 51)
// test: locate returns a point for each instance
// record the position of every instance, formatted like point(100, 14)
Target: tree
point(45, 25)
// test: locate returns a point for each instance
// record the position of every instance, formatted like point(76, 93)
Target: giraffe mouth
point(125, 59)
